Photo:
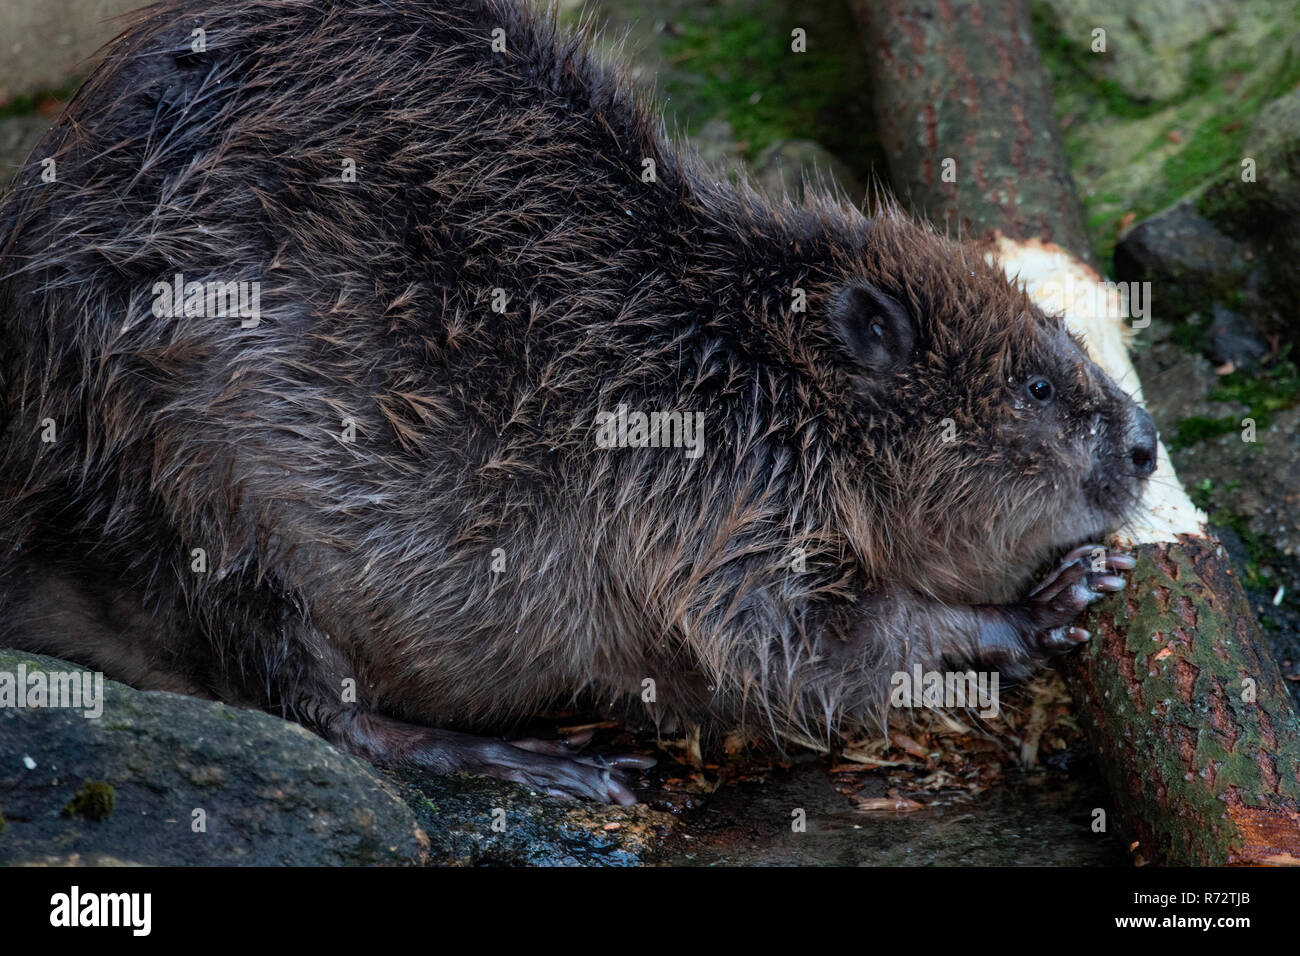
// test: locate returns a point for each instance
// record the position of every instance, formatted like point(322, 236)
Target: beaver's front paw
point(1084, 575)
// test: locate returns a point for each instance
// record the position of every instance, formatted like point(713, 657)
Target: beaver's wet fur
point(882, 468)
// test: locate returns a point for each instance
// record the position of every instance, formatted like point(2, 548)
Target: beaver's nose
point(1143, 451)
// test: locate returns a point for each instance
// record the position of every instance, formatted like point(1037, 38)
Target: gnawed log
point(965, 118)
point(1186, 711)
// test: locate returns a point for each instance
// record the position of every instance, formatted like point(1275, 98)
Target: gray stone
point(1231, 338)
point(789, 166)
point(45, 44)
point(1269, 200)
point(1263, 211)
point(272, 793)
point(122, 788)
point(1274, 144)
point(1188, 262)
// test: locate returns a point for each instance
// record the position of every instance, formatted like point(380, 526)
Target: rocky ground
point(164, 779)
point(1156, 131)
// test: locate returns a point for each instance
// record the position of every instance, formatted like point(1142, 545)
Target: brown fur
point(331, 560)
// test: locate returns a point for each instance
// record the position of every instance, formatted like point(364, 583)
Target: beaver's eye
point(1040, 390)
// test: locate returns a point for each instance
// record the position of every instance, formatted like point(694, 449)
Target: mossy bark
point(962, 80)
point(1188, 715)
point(1186, 711)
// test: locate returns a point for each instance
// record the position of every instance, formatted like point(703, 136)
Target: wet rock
point(789, 166)
point(484, 822)
point(1188, 262)
point(125, 786)
point(1274, 144)
point(716, 143)
point(1152, 46)
point(1231, 338)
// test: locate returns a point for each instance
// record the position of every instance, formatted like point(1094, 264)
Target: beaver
point(386, 366)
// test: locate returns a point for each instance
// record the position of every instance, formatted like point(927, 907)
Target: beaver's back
point(361, 451)
point(475, 171)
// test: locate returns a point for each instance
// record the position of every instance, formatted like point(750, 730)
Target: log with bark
point(1186, 711)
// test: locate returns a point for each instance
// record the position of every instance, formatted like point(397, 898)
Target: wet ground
point(1041, 819)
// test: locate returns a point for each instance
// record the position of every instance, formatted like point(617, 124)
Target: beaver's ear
point(873, 328)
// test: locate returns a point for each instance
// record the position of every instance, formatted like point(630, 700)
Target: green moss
point(1189, 336)
point(94, 801)
point(1201, 494)
point(25, 105)
point(1262, 394)
point(2, 823)
point(1218, 145)
point(1198, 428)
point(1265, 393)
point(1211, 117)
point(1066, 58)
point(1213, 147)
point(734, 60)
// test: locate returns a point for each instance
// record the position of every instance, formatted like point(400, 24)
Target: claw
point(1081, 551)
point(1067, 563)
point(556, 748)
point(630, 761)
point(1068, 590)
point(567, 749)
point(579, 739)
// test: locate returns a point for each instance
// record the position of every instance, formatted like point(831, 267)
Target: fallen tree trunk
point(1186, 711)
point(964, 115)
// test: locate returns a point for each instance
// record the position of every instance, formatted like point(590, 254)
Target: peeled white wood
point(1094, 310)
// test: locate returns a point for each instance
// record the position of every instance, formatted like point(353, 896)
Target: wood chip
point(887, 804)
point(904, 742)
